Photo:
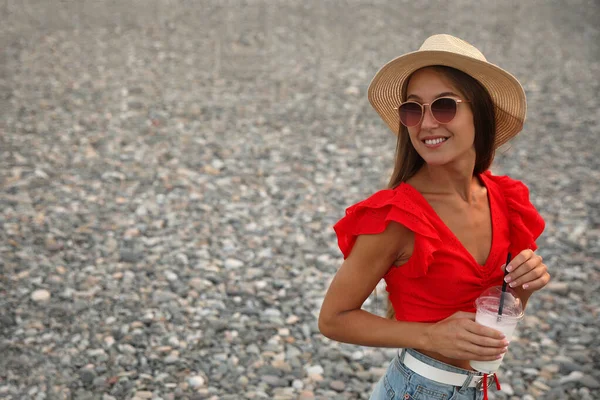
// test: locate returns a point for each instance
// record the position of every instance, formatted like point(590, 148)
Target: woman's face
point(458, 135)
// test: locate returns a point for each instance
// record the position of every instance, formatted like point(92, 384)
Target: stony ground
point(171, 171)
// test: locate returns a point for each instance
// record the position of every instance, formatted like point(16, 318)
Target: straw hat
point(385, 90)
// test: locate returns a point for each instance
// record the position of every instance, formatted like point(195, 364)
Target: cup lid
point(489, 300)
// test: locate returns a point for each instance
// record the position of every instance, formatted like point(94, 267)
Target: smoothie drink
point(487, 314)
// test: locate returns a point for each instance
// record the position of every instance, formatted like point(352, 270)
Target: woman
point(440, 234)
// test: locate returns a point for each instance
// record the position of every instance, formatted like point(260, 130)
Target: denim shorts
point(399, 382)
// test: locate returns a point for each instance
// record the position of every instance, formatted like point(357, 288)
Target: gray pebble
point(87, 377)
point(338, 386)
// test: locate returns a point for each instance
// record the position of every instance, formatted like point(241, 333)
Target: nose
point(428, 121)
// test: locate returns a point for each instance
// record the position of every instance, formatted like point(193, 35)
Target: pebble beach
point(170, 173)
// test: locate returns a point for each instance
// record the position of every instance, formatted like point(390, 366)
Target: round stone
point(40, 296)
point(338, 386)
point(196, 381)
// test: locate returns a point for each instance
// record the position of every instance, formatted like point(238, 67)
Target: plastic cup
point(487, 314)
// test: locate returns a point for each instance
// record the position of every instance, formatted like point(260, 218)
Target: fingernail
point(509, 268)
point(507, 279)
point(505, 343)
point(511, 284)
point(499, 357)
point(525, 286)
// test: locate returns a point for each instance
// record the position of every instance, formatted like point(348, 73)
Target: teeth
point(435, 141)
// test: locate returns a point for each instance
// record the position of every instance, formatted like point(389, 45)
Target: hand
point(460, 337)
point(527, 272)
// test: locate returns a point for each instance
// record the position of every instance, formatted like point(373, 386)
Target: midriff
point(464, 364)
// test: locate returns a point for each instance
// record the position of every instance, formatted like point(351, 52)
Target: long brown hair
point(408, 161)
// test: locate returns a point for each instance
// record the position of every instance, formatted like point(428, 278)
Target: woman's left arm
point(527, 274)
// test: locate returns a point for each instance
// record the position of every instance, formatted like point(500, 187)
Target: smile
point(431, 142)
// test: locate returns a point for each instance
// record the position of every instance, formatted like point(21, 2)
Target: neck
point(451, 179)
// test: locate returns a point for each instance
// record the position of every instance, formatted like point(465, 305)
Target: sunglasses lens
point(410, 114)
point(443, 110)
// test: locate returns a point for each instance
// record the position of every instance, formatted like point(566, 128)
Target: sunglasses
point(443, 110)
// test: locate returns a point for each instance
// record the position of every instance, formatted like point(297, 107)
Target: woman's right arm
point(342, 319)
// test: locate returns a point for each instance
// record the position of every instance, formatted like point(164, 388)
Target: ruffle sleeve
point(371, 216)
point(525, 222)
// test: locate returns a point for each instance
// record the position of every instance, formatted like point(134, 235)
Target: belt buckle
point(490, 379)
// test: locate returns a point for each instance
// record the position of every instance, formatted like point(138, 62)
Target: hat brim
point(508, 96)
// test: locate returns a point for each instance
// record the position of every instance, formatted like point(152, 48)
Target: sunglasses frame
point(457, 101)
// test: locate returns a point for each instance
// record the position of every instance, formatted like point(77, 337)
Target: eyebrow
point(444, 94)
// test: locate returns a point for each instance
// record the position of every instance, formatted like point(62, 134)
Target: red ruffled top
point(442, 277)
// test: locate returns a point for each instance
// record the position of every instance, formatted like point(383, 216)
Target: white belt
point(440, 375)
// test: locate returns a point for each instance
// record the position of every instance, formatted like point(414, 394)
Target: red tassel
point(485, 391)
point(497, 382)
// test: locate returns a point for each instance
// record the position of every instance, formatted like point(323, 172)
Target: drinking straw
point(503, 286)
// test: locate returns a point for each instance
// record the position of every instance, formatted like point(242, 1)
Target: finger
point(530, 276)
point(524, 268)
point(495, 345)
point(482, 351)
point(538, 283)
point(463, 314)
point(520, 259)
point(482, 330)
point(476, 356)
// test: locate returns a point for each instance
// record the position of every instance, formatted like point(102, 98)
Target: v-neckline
point(453, 235)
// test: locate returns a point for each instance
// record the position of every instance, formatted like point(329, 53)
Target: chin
point(437, 161)
point(440, 158)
